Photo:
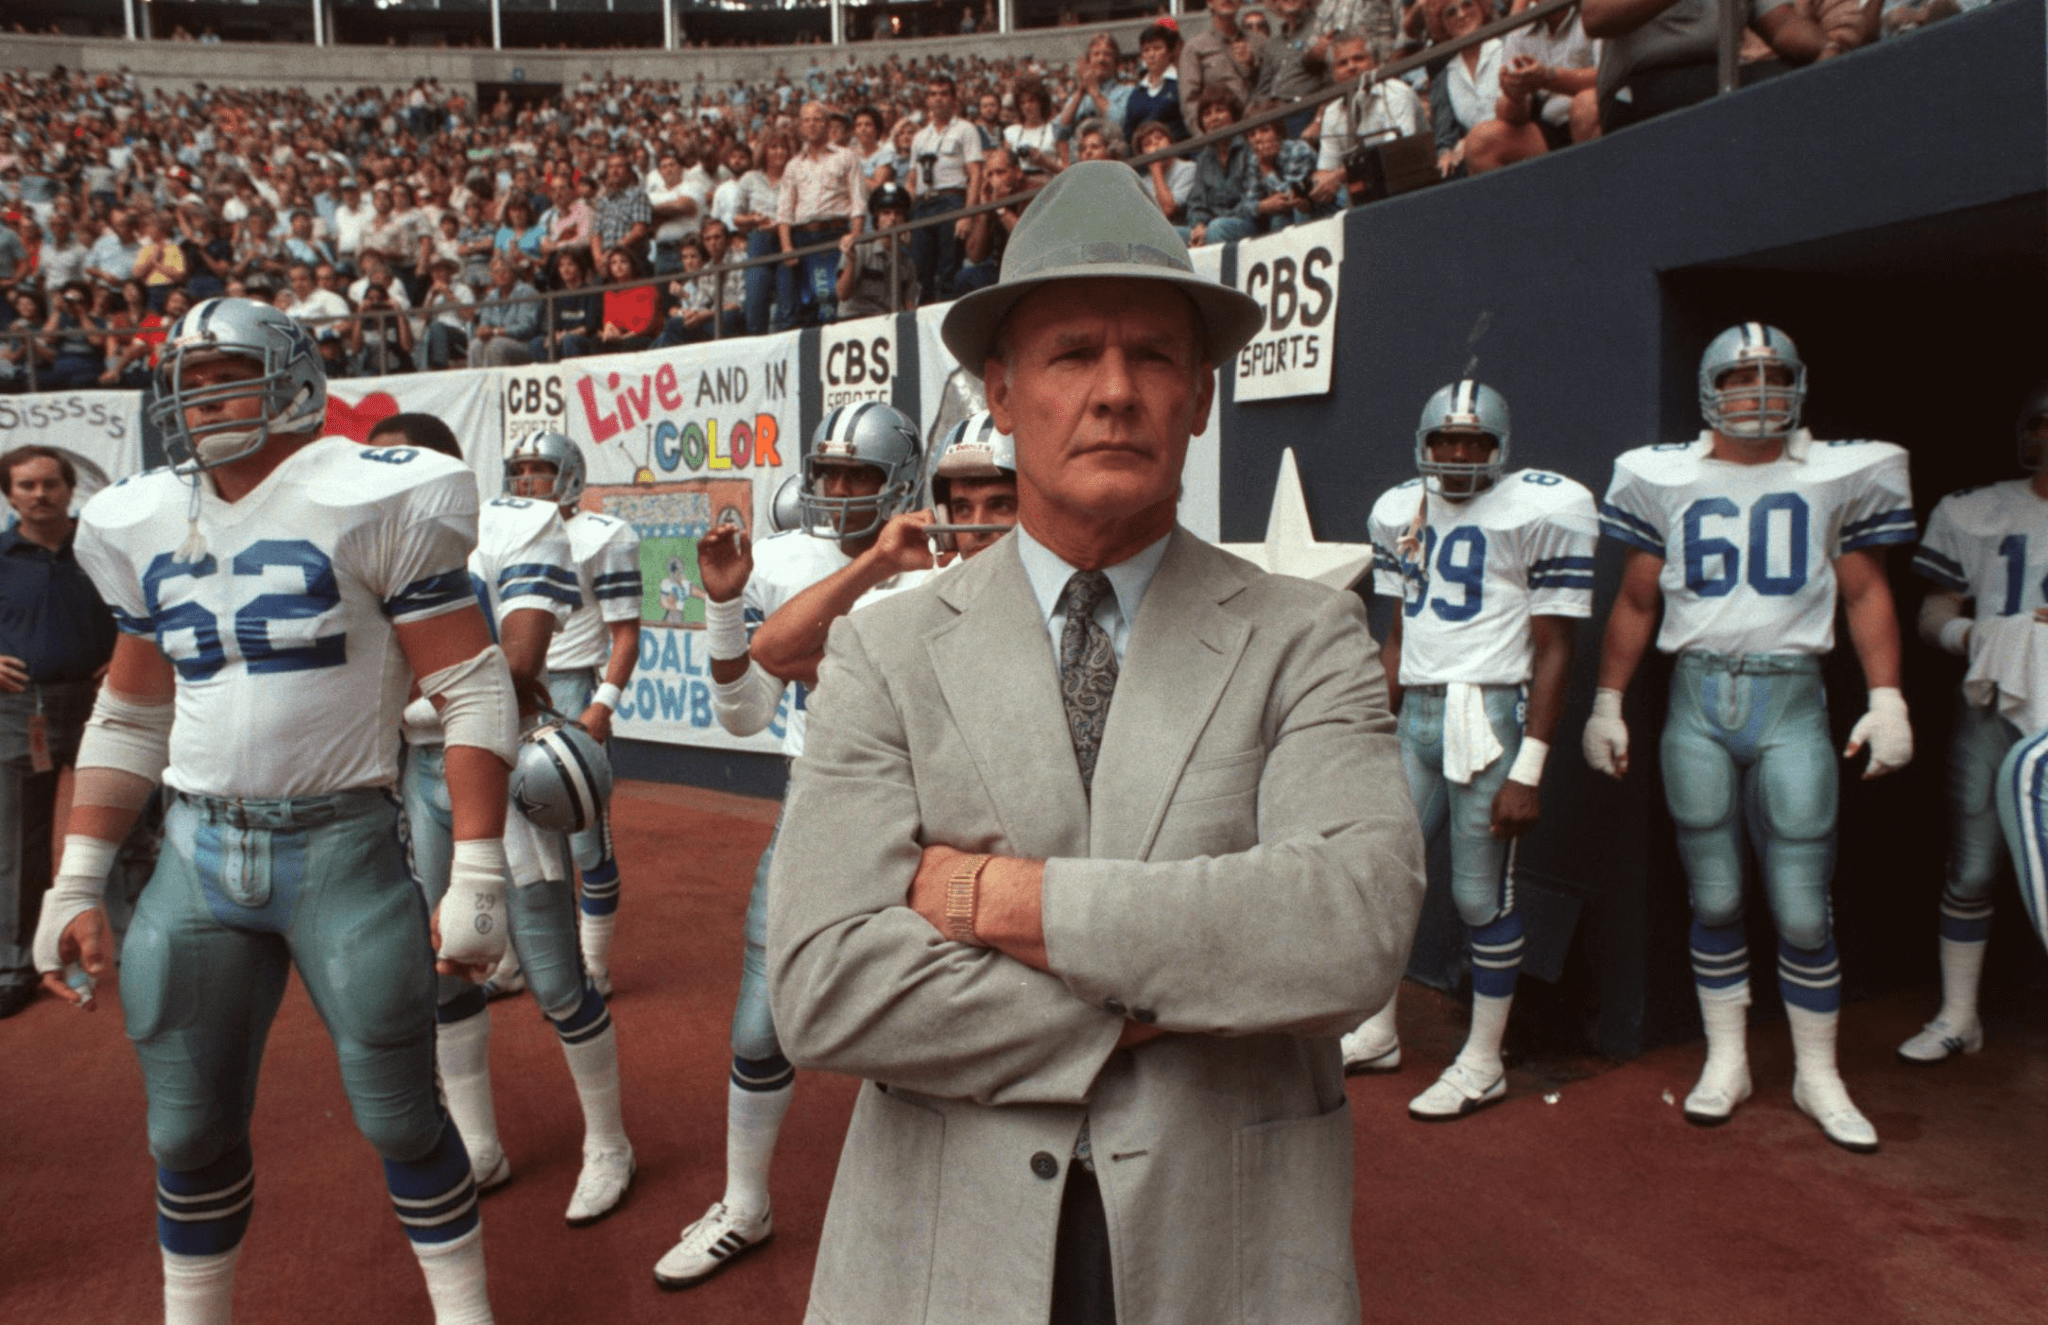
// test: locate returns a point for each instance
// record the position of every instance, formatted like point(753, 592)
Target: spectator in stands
point(1036, 140)
point(866, 272)
point(1212, 59)
point(1170, 179)
point(1223, 205)
point(629, 316)
point(567, 223)
point(160, 263)
point(61, 259)
point(445, 306)
point(1286, 170)
point(127, 350)
point(623, 217)
point(323, 312)
point(111, 259)
point(1657, 56)
point(1294, 64)
point(1546, 94)
point(988, 233)
point(694, 300)
point(1099, 93)
point(379, 336)
point(23, 350)
point(677, 204)
point(756, 200)
point(822, 199)
point(1463, 95)
point(301, 245)
point(502, 333)
point(577, 313)
point(76, 342)
point(521, 237)
point(352, 217)
point(946, 168)
point(17, 264)
point(876, 156)
point(728, 284)
point(1096, 141)
point(377, 273)
point(1388, 109)
point(474, 242)
point(1156, 95)
point(988, 120)
point(1818, 30)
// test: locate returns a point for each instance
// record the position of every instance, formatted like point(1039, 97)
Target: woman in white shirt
point(1462, 97)
point(1040, 151)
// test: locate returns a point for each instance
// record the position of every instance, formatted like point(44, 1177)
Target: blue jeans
point(935, 250)
point(817, 276)
point(1221, 230)
point(771, 290)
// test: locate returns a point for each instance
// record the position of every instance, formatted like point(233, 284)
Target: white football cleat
point(1938, 1042)
point(1712, 1102)
point(490, 1176)
point(1827, 1103)
point(600, 975)
point(606, 1176)
point(709, 1245)
point(1363, 1057)
point(1458, 1093)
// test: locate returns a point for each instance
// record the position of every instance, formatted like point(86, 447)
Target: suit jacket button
point(1112, 1007)
point(1145, 1015)
point(1044, 1165)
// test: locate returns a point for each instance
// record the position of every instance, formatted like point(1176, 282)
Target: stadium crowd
point(413, 228)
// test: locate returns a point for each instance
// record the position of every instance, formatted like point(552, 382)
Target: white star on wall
point(1291, 547)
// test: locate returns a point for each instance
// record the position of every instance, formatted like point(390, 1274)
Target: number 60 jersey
point(1471, 573)
point(290, 679)
point(1749, 550)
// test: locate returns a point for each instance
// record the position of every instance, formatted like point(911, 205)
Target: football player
point(522, 573)
point(1490, 568)
point(2023, 814)
point(602, 633)
point(863, 468)
point(276, 590)
point(1748, 534)
point(1986, 554)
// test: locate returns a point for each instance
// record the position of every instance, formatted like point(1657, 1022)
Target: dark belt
point(837, 227)
point(295, 812)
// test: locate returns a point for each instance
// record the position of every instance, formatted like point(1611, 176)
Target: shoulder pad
point(1665, 463)
point(339, 473)
point(132, 500)
point(1397, 504)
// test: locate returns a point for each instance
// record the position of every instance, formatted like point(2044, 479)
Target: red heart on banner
point(355, 421)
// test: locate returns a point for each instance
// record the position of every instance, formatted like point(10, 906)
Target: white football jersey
point(290, 678)
point(1749, 550)
point(1989, 544)
point(785, 565)
point(607, 556)
point(1474, 572)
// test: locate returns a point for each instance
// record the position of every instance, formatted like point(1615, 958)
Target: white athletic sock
point(595, 934)
point(1813, 1045)
point(1962, 969)
point(455, 1279)
point(1489, 1028)
point(463, 1049)
point(753, 1118)
point(1725, 1014)
point(595, 1065)
point(1379, 1027)
point(199, 1290)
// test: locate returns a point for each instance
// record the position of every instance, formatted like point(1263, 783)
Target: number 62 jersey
point(1749, 550)
point(290, 678)
point(1469, 574)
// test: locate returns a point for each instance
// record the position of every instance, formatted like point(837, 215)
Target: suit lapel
point(996, 670)
point(1182, 653)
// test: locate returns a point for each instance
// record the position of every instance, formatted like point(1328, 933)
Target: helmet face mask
point(870, 435)
point(1463, 409)
point(288, 385)
point(553, 449)
point(1741, 396)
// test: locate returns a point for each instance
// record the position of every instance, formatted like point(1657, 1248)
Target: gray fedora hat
point(1095, 221)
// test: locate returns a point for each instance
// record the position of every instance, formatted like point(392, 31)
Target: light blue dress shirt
point(1128, 580)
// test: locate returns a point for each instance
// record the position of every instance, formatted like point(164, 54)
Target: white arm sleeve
point(126, 735)
point(747, 705)
point(478, 707)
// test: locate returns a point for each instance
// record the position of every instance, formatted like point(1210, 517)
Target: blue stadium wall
point(1888, 209)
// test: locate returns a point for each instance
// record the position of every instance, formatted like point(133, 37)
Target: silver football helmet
point(2032, 429)
point(556, 449)
point(785, 508)
point(1463, 406)
point(1768, 410)
point(872, 434)
point(292, 385)
point(974, 449)
point(563, 778)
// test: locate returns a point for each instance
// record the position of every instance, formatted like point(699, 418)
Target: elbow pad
point(128, 735)
point(746, 706)
point(478, 707)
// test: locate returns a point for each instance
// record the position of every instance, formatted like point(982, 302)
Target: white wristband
point(80, 881)
point(1606, 703)
point(88, 857)
point(1528, 765)
point(725, 629)
point(1955, 636)
point(1888, 700)
point(607, 695)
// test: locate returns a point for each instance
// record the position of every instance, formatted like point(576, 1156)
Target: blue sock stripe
point(1965, 919)
point(590, 1019)
point(603, 876)
point(1722, 939)
point(1810, 977)
point(205, 1211)
point(762, 1074)
point(1497, 955)
point(435, 1197)
point(1720, 955)
point(471, 1001)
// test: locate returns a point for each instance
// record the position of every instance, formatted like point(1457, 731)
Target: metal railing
point(1730, 41)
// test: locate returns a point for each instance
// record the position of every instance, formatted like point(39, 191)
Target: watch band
point(963, 890)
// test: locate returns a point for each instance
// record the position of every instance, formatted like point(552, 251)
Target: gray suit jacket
point(1247, 877)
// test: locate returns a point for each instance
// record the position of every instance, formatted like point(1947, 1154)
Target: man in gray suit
point(1099, 843)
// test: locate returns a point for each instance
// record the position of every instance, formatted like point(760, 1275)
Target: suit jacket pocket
point(875, 1256)
point(1221, 777)
point(1294, 1257)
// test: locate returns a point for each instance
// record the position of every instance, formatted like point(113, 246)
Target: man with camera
point(945, 167)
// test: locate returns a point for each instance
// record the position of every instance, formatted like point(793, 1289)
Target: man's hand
point(725, 560)
point(597, 720)
point(902, 545)
point(846, 243)
point(474, 938)
point(1888, 732)
point(1605, 742)
point(1515, 808)
point(927, 894)
point(85, 942)
point(13, 675)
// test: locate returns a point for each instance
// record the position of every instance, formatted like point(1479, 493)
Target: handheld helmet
point(1463, 406)
point(2033, 442)
point(562, 778)
point(872, 434)
point(975, 448)
point(556, 449)
point(292, 385)
point(1770, 410)
point(889, 195)
point(785, 508)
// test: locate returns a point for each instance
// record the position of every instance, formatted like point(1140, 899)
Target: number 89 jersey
point(1474, 572)
point(290, 679)
point(1749, 550)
